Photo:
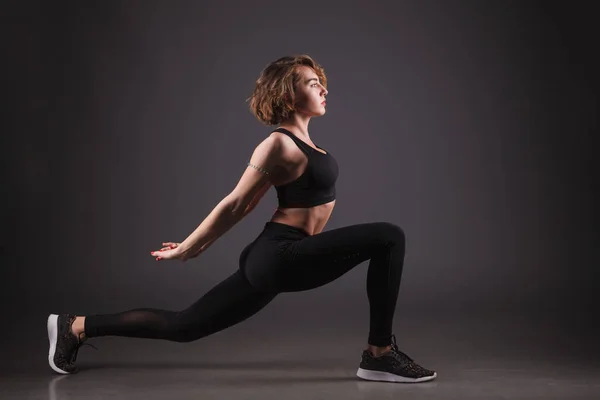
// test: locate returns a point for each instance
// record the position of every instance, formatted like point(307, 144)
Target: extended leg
point(228, 303)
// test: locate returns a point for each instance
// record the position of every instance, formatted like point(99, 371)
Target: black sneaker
point(64, 344)
point(393, 366)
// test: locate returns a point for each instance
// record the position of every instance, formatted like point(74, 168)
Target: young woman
point(291, 253)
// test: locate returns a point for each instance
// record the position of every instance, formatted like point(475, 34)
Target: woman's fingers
point(168, 246)
point(161, 254)
point(166, 253)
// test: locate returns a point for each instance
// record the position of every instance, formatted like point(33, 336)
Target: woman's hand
point(170, 251)
point(174, 251)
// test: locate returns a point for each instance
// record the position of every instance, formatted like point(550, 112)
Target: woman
point(292, 253)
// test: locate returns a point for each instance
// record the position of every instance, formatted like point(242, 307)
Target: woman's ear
point(287, 98)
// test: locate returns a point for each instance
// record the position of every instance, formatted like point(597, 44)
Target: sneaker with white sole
point(392, 366)
point(64, 344)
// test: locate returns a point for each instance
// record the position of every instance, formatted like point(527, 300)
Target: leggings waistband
point(277, 228)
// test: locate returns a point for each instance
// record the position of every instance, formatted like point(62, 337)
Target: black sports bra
point(316, 185)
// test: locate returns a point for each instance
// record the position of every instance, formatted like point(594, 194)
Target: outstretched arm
point(224, 223)
point(219, 221)
point(235, 206)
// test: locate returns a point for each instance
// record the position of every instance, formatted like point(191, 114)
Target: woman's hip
point(281, 250)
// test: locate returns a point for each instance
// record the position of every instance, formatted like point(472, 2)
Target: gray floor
point(475, 359)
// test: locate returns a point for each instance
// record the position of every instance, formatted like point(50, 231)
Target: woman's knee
point(183, 336)
point(392, 233)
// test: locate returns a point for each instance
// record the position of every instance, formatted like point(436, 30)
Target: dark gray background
point(469, 124)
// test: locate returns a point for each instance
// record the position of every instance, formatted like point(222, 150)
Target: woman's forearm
point(219, 221)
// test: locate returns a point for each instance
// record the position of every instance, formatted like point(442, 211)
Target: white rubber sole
point(387, 377)
point(52, 338)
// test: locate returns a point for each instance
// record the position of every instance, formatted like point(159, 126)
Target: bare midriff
point(312, 220)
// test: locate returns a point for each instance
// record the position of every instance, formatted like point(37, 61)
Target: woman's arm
point(257, 197)
point(245, 196)
point(219, 221)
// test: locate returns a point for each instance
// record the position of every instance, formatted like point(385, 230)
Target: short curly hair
point(273, 98)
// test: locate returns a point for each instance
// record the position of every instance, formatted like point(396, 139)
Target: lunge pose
point(291, 253)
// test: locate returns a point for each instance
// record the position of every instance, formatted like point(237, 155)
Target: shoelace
point(398, 352)
point(79, 344)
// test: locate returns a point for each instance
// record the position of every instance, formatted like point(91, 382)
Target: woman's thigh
point(319, 259)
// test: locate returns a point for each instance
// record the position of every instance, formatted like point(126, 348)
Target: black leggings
point(281, 259)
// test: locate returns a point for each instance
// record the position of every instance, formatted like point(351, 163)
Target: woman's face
point(310, 94)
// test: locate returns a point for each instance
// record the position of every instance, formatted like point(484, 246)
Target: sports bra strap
point(303, 146)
